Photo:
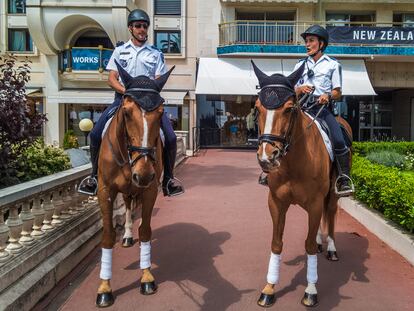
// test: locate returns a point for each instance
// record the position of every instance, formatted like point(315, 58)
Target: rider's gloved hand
point(324, 99)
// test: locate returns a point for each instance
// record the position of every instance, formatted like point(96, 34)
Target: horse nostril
point(152, 176)
point(135, 178)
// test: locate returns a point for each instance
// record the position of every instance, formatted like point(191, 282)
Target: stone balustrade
point(30, 211)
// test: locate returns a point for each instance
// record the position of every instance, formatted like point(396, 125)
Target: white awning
point(235, 76)
point(173, 98)
point(106, 97)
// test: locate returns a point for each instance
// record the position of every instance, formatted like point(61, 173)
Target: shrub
point(18, 124)
point(70, 140)
point(40, 160)
point(387, 158)
point(386, 189)
point(363, 148)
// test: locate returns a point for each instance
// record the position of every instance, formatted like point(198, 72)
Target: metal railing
point(281, 32)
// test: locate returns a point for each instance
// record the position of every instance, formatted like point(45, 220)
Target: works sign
point(86, 59)
point(371, 35)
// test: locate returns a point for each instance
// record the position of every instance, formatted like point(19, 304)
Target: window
point(17, 7)
point(167, 7)
point(20, 40)
point(169, 42)
point(403, 19)
point(354, 19)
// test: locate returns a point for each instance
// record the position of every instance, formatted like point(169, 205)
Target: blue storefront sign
point(371, 35)
point(85, 59)
point(106, 55)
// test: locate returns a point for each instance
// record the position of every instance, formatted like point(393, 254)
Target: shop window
point(167, 7)
point(19, 40)
point(354, 19)
point(178, 116)
point(17, 6)
point(169, 42)
point(76, 112)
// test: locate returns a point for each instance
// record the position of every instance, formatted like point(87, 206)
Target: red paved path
point(211, 248)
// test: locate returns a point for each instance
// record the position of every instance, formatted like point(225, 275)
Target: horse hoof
point(320, 248)
point(266, 300)
point(310, 300)
point(332, 256)
point(127, 242)
point(148, 288)
point(104, 300)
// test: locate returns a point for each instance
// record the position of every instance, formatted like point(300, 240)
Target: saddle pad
point(325, 137)
point(109, 122)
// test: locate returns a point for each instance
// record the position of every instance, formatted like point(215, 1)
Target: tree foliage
point(19, 124)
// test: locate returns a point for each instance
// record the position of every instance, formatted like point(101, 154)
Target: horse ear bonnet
point(144, 91)
point(273, 97)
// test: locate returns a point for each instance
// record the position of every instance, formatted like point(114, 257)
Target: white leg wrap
point(312, 272)
point(145, 261)
point(106, 264)
point(331, 244)
point(319, 236)
point(274, 267)
point(311, 289)
point(128, 224)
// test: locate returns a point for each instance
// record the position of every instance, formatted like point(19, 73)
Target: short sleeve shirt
point(145, 60)
point(327, 74)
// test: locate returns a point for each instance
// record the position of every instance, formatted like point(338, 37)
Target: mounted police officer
point(323, 77)
point(137, 57)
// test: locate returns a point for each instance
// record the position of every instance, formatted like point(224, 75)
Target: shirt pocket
point(150, 63)
point(125, 60)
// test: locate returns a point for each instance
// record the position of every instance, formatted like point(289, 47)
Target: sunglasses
point(140, 25)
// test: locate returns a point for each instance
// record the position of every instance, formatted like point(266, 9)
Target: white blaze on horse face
point(267, 130)
point(145, 135)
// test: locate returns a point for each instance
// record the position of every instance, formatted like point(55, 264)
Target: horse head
point(277, 110)
point(142, 108)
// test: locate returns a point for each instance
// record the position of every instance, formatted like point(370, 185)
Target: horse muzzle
point(143, 181)
point(269, 163)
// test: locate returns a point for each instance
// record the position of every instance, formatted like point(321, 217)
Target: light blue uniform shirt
point(145, 60)
point(327, 74)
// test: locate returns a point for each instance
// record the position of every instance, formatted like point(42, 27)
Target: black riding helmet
point(138, 15)
point(318, 31)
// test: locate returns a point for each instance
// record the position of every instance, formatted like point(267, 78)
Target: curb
point(400, 241)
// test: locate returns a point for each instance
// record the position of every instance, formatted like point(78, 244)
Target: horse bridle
point(143, 151)
point(286, 139)
point(283, 139)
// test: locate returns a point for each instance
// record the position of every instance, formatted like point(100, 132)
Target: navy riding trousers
point(170, 145)
point(336, 135)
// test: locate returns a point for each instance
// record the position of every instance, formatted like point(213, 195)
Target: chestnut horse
point(130, 162)
point(292, 152)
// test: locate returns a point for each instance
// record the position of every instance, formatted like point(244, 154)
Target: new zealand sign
point(371, 35)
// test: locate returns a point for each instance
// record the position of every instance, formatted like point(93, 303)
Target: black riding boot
point(344, 185)
point(89, 185)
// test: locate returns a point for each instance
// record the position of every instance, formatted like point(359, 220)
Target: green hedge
point(386, 189)
point(364, 148)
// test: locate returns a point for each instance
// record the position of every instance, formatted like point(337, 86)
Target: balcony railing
point(84, 58)
point(288, 32)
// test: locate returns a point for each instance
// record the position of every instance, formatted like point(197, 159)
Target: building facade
point(372, 39)
point(70, 42)
point(211, 93)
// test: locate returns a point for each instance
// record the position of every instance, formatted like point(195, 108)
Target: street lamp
point(86, 125)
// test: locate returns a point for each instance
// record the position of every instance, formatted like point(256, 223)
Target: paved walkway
point(211, 248)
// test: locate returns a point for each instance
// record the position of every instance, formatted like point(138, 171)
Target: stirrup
point(166, 191)
point(345, 192)
point(85, 183)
